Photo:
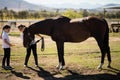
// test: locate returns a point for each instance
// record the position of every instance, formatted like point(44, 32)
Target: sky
point(44, 2)
point(56, 3)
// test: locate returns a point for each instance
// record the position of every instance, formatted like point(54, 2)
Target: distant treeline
point(6, 14)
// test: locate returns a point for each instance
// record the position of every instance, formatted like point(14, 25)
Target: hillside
point(20, 5)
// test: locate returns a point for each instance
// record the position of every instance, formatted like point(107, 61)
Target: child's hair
point(21, 26)
point(5, 27)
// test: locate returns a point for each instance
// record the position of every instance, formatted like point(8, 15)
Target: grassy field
point(81, 60)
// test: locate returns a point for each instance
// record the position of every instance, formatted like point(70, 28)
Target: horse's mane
point(61, 19)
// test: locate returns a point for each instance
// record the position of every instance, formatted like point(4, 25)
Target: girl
point(28, 50)
point(6, 47)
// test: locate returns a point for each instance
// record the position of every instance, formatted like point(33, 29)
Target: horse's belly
point(78, 36)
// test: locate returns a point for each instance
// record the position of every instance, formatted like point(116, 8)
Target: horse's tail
point(106, 36)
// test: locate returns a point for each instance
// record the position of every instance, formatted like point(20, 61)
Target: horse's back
point(78, 30)
point(78, 19)
point(73, 31)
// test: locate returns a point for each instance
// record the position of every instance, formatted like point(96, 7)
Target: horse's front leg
point(60, 48)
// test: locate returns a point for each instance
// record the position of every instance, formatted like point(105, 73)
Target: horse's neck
point(46, 30)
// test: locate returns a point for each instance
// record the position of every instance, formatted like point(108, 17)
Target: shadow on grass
point(43, 73)
point(113, 70)
point(105, 76)
point(19, 74)
point(77, 76)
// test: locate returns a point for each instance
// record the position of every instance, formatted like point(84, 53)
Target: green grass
point(115, 34)
point(15, 34)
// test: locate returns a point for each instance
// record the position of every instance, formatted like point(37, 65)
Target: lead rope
point(42, 43)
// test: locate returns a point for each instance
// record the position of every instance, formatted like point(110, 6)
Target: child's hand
point(12, 45)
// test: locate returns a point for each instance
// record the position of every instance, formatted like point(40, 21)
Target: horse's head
point(27, 37)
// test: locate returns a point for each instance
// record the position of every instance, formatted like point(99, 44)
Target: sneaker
point(25, 66)
point(9, 67)
point(36, 65)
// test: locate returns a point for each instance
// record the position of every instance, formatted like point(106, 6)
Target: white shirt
point(5, 36)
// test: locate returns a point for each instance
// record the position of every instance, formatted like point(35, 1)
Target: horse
point(64, 29)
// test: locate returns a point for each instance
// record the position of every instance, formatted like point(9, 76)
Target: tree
point(36, 15)
point(5, 13)
point(72, 14)
point(1, 15)
point(85, 13)
point(23, 14)
point(118, 14)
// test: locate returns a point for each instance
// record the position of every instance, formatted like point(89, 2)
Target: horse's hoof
point(60, 67)
point(99, 68)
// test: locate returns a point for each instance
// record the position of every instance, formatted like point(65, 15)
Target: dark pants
point(6, 57)
point(33, 48)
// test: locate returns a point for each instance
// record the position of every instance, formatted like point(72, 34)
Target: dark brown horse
point(64, 29)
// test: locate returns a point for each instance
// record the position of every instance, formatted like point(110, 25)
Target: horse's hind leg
point(103, 51)
point(108, 56)
point(104, 47)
